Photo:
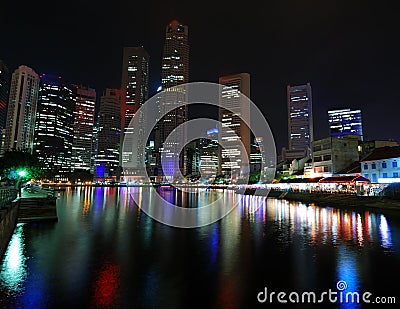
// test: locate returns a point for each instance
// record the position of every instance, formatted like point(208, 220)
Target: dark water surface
point(104, 252)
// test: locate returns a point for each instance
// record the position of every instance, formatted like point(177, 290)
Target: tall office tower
point(255, 155)
point(233, 108)
point(82, 143)
point(21, 112)
point(300, 121)
point(108, 136)
point(135, 92)
point(54, 127)
point(4, 88)
point(345, 121)
point(94, 144)
point(209, 157)
point(151, 162)
point(174, 71)
point(193, 158)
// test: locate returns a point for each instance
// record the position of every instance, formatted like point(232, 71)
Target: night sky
point(347, 50)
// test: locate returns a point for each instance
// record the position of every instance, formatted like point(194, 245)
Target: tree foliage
point(15, 161)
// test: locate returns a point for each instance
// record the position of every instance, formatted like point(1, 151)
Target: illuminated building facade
point(174, 71)
point(54, 128)
point(232, 158)
point(209, 157)
point(4, 89)
point(21, 112)
point(82, 144)
point(256, 159)
point(300, 118)
point(108, 136)
point(192, 158)
point(151, 162)
point(382, 165)
point(344, 122)
point(134, 93)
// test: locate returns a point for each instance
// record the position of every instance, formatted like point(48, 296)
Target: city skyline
point(342, 49)
point(178, 154)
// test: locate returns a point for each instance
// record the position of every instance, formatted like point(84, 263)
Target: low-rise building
point(382, 165)
point(367, 147)
point(332, 154)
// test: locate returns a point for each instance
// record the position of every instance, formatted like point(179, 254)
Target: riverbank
point(8, 220)
point(348, 201)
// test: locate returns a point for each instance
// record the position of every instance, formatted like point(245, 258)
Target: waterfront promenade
point(37, 204)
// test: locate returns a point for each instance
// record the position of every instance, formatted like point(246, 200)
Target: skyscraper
point(344, 122)
point(54, 127)
point(21, 112)
point(300, 119)
point(82, 144)
point(174, 71)
point(209, 155)
point(175, 61)
point(108, 136)
point(233, 95)
point(135, 92)
point(4, 89)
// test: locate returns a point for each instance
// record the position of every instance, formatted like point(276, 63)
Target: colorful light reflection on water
point(104, 251)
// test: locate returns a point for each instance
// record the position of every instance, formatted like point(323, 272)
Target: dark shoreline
point(344, 201)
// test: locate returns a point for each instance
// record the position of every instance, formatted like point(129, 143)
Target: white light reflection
point(14, 270)
point(253, 205)
point(360, 238)
point(324, 219)
point(384, 230)
point(334, 227)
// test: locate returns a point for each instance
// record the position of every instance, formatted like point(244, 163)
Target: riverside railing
point(7, 195)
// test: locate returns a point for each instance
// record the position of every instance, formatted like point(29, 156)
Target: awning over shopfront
point(300, 180)
point(351, 179)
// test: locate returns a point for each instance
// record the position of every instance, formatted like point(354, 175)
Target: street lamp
point(21, 174)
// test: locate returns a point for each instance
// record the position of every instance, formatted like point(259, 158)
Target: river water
point(105, 252)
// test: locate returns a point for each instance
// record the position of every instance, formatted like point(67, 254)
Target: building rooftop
point(383, 153)
point(353, 168)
